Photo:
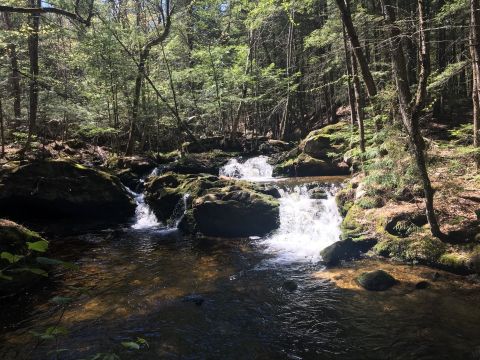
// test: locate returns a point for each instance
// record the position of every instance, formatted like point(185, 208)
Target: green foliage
point(39, 246)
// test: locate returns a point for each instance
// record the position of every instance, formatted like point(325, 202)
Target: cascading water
point(255, 169)
point(306, 225)
point(144, 216)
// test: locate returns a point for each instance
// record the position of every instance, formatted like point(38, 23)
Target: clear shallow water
point(142, 282)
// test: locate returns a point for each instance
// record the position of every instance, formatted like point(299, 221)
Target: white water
point(306, 225)
point(254, 169)
point(144, 216)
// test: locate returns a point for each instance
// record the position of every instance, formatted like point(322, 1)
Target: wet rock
point(62, 189)
point(270, 190)
point(421, 285)
point(345, 250)
point(318, 194)
point(234, 212)
point(377, 280)
point(196, 299)
point(130, 180)
point(290, 285)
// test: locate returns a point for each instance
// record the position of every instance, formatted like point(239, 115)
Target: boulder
point(202, 163)
point(305, 165)
point(345, 250)
point(235, 212)
point(316, 144)
point(377, 280)
point(163, 193)
point(62, 189)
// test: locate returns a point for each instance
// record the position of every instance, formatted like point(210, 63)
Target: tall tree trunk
point(359, 104)
point(33, 86)
point(15, 75)
point(475, 55)
point(357, 49)
point(2, 129)
point(411, 109)
point(348, 63)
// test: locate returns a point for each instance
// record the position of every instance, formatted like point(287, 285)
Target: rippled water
point(226, 299)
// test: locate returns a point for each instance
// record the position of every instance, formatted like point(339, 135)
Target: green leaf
point(39, 246)
point(131, 345)
point(11, 258)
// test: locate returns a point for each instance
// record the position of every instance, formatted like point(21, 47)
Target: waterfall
point(306, 225)
point(254, 169)
point(144, 216)
point(180, 209)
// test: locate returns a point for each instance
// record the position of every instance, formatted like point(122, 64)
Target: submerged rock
point(61, 189)
point(345, 250)
point(290, 285)
point(421, 285)
point(236, 212)
point(377, 280)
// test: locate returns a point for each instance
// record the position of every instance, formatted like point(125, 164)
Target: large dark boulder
point(62, 189)
point(345, 250)
point(202, 163)
point(377, 280)
point(236, 212)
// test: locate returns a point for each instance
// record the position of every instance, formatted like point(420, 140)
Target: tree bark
point(475, 59)
point(14, 79)
point(357, 49)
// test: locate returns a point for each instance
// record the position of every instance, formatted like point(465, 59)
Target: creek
point(228, 299)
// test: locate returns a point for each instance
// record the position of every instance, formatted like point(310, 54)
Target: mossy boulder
point(377, 280)
point(164, 193)
point(305, 165)
point(55, 189)
point(236, 212)
point(345, 250)
point(316, 144)
point(213, 206)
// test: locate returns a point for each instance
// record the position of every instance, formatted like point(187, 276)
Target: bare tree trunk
point(411, 109)
point(15, 75)
point(357, 49)
point(359, 104)
point(351, 94)
point(33, 86)
point(2, 129)
point(475, 55)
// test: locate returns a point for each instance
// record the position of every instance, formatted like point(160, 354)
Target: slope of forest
point(213, 119)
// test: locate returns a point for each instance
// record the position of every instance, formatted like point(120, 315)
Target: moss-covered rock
point(377, 280)
point(214, 206)
point(55, 189)
point(305, 165)
point(236, 212)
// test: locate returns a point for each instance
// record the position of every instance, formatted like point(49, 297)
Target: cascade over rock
point(54, 189)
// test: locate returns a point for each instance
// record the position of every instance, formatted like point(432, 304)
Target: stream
point(228, 299)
